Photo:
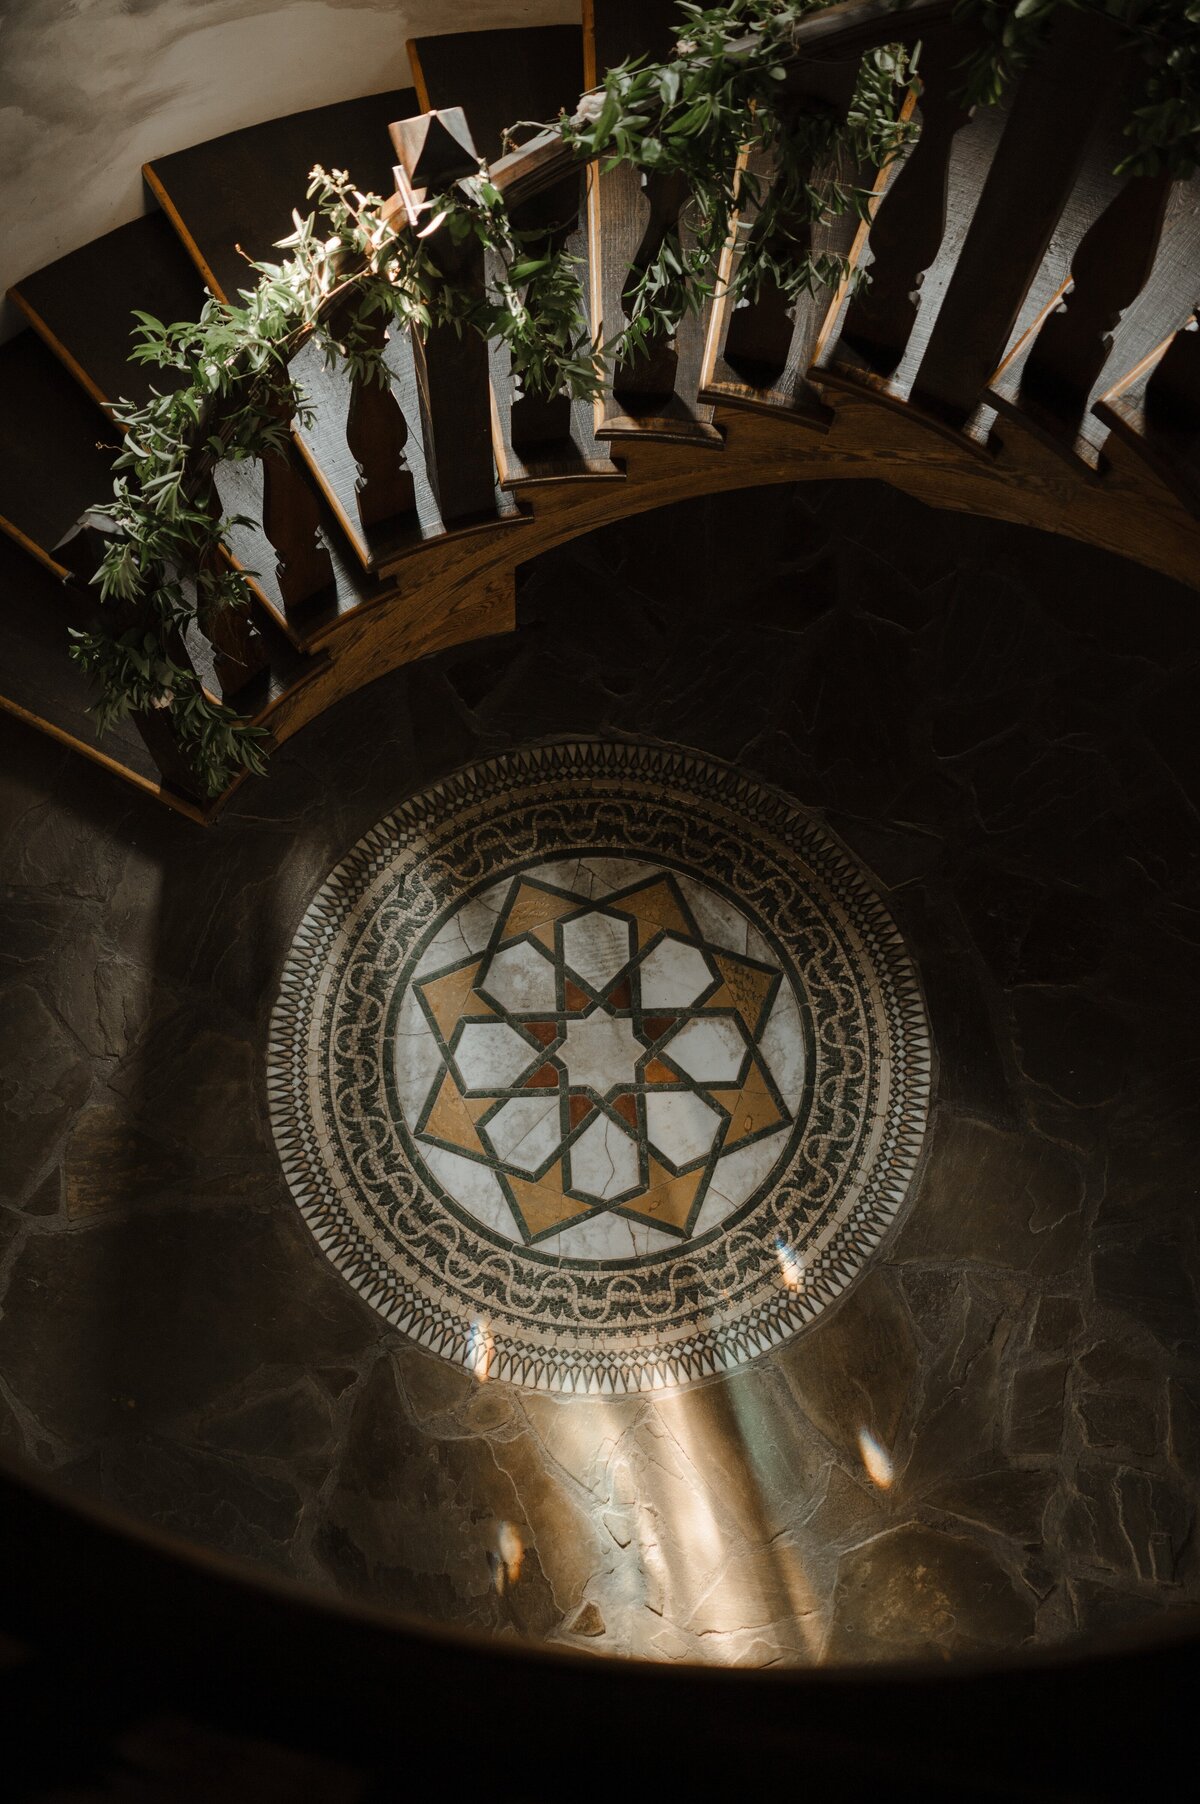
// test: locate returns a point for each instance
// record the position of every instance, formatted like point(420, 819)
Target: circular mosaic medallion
point(598, 1068)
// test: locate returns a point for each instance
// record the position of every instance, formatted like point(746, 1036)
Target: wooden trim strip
point(158, 790)
point(34, 550)
point(168, 206)
point(60, 351)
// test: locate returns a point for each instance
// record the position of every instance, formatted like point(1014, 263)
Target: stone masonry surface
point(1000, 726)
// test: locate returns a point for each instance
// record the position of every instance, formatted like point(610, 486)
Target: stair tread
point(83, 304)
point(36, 614)
point(501, 77)
point(50, 426)
point(239, 190)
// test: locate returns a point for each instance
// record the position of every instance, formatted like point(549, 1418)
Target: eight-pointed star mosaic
point(600, 1056)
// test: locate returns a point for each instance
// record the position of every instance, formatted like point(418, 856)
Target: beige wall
point(91, 89)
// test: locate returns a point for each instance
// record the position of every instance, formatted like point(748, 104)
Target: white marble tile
point(596, 947)
point(604, 1160)
point(718, 920)
point(617, 873)
point(710, 1049)
point(606, 1237)
point(473, 1186)
point(491, 1056)
point(466, 931)
point(570, 874)
point(521, 978)
point(417, 1059)
point(673, 974)
point(600, 1051)
point(526, 1130)
point(680, 1124)
point(781, 1045)
point(757, 947)
point(738, 1175)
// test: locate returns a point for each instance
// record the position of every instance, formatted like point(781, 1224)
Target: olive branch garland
point(692, 116)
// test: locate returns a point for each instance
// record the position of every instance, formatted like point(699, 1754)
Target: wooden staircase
point(1027, 349)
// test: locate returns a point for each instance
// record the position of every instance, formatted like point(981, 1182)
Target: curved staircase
point(1027, 349)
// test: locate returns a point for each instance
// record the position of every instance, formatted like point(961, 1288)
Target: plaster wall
point(92, 89)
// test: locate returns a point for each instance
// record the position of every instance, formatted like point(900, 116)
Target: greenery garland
point(689, 117)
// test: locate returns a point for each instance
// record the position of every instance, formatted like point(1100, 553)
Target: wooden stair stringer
point(465, 586)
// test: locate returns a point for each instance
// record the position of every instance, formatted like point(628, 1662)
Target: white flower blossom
point(589, 109)
point(164, 699)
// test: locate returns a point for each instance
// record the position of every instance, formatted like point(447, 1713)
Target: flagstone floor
point(634, 1054)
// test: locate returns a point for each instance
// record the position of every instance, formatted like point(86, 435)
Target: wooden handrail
point(839, 33)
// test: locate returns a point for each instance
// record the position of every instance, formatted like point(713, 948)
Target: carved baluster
point(758, 342)
point(291, 521)
point(538, 420)
point(80, 552)
point(908, 228)
point(435, 152)
point(377, 435)
point(648, 378)
point(239, 652)
point(1055, 109)
point(1111, 267)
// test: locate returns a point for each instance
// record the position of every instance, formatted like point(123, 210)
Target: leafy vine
point(697, 117)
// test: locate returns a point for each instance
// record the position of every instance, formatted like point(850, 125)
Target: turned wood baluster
point(1110, 268)
point(650, 376)
point(758, 342)
point(908, 228)
point(80, 552)
point(291, 521)
point(435, 152)
point(377, 435)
